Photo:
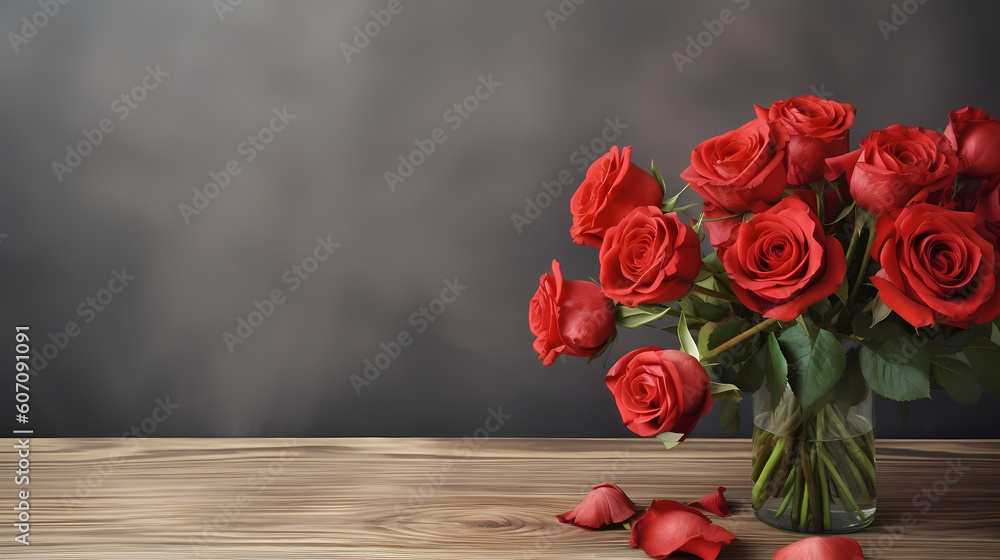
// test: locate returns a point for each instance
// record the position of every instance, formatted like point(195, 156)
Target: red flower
point(818, 129)
point(976, 137)
point(821, 548)
point(719, 223)
point(659, 391)
point(612, 188)
point(781, 262)
point(938, 265)
point(569, 317)
point(739, 169)
point(714, 503)
point(896, 166)
point(649, 257)
point(983, 200)
point(668, 527)
point(605, 505)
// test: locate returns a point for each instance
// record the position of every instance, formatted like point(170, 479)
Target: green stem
point(804, 513)
point(768, 471)
point(804, 458)
point(842, 489)
point(739, 338)
point(860, 458)
point(712, 293)
point(864, 266)
point(824, 487)
point(852, 247)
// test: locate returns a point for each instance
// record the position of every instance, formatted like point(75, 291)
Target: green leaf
point(703, 337)
point(726, 332)
point(957, 378)
point(816, 363)
point(694, 306)
point(659, 178)
point(670, 439)
point(725, 392)
point(983, 356)
point(879, 310)
point(768, 363)
point(896, 363)
point(729, 417)
point(604, 347)
point(632, 317)
point(688, 345)
point(843, 213)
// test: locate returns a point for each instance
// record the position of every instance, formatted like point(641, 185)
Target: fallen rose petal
point(605, 505)
point(668, 527)
point(821, 548)
point(714, 503)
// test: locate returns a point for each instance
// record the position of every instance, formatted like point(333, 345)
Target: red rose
point(659, 391)
point(818, 129)
point(983, 200)
point(649, 257)
point(976, 137)
point(613, 187)
point(739, 169)
point(822, 548)
point(605, 505)
point(569, 317)
point(781, 262)
point(896, 166)
point(668, 527)
point(938, 265)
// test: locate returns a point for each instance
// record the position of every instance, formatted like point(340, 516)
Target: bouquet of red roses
point(834, 273)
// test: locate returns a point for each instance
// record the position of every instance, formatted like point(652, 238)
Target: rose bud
point(976, 137)
point(668, 527)
point(605, 505)
point(714, 503)
point(740, 169)
point(781, 261)
point(821, 548)
point(569, 317)
point(896, 166)
point(659, 391)
point(612, 188)
point(817, 128)
point(650, 257)
point(938, 265)
point(983, 200)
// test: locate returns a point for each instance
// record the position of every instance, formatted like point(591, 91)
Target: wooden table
point(439, 498)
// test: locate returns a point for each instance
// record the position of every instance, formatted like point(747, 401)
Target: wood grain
point(441, 498)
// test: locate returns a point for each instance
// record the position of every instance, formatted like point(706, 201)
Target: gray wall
point(323, 175)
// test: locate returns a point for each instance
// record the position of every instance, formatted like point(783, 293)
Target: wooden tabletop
point(442, 498)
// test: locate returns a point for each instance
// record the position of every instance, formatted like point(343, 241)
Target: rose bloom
point(649, 257)
point(976, 137)
point(569, 317)
point(938, 265)
point(739, 169)
point(896, 166)
point(781, 261)
point(612, 188)
point(983, 200)
point(668, 527)
point(817, 128)
point(660, 391)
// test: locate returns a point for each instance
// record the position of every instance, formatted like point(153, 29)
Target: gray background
point(324, 175)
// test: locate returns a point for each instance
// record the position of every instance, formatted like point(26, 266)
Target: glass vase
point(814, 470)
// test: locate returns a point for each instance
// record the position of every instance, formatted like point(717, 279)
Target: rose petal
point(822, 548)
point(714, 503)
point(605, 505)
point(668, 527)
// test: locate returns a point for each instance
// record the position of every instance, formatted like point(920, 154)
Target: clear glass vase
point(814, 470)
